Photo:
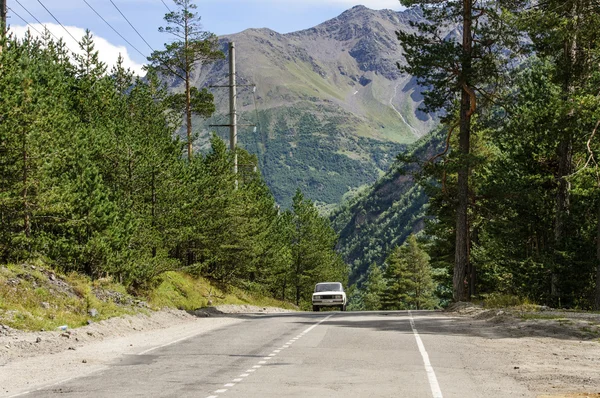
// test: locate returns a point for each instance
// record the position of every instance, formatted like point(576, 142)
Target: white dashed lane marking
point(265, 359)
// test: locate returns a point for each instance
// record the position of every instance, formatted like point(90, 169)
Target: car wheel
point(344, 307)
point(315, 308)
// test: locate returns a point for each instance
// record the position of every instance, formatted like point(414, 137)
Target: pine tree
point(180, 58)
point(470, 69)
point(566, 34)
point(313, 257)
point(373, 288)
point(408, 278)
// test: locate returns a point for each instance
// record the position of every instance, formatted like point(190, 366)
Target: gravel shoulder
point(555, 354)
point(32, 360)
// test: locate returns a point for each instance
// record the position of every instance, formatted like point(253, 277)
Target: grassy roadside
point(35, 297)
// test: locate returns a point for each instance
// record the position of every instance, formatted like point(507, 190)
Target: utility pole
point(2, 19)
point(232, 108)
point(233, 124)
point(3, 13)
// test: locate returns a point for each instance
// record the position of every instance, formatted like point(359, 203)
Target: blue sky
point(218, 16)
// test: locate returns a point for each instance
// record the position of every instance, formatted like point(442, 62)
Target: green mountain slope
point(331, 106)
point(383, 216)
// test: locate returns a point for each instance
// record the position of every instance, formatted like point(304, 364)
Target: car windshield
point(328, 287)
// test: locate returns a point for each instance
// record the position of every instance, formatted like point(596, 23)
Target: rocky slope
point(331, 106)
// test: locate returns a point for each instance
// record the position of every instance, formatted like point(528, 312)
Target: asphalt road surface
point(326, 354)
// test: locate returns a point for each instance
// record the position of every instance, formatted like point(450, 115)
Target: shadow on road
point(502, 326)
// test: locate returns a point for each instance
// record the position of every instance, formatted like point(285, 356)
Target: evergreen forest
point(93, 180)
point(502, 199)
point(514, 192)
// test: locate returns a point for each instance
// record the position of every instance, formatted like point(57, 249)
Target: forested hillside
point(383, 216)
point(92, 181)
point(514, 200)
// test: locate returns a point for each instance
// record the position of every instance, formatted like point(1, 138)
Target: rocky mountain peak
point(367, 35)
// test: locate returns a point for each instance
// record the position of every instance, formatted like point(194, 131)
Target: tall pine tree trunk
point(297, 281)
point(188, 95)
point(565, 152)
point(461, 259)
point(188, 114)
point(26, 217)
point(597, 293)
point(153, 212)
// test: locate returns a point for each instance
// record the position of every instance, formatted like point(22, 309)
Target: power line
point(120, 35)
point(52, 15)
point(136, 31)
point(163, 1)
point(37, 20)
point(23, 19)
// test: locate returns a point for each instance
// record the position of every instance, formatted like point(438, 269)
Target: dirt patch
point(593, 395)
point(236, 309)
point(19, 344)
point(555, 353)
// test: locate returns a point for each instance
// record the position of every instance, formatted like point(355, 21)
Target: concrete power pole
point(233, 124)
point(2, 20)
point(232, 107)
point(3, 17)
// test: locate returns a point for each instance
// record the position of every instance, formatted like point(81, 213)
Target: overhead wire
point(165, 4)
point(120, 35)
point(52, 15)
point(168, 67)
point(23, 19)
point(130, 24)
point(37, 20)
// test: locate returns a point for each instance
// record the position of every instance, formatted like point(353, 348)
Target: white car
point(329, 294)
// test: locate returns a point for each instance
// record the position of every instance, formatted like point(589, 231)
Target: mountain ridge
point(331, 106)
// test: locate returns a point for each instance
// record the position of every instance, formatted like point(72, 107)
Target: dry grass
point(35, 297)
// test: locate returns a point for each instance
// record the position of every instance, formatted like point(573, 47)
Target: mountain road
point(327, 354)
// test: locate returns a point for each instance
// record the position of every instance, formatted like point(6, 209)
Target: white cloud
point(108, 53)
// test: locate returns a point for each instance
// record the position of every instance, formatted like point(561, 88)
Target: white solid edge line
point(433, 383)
